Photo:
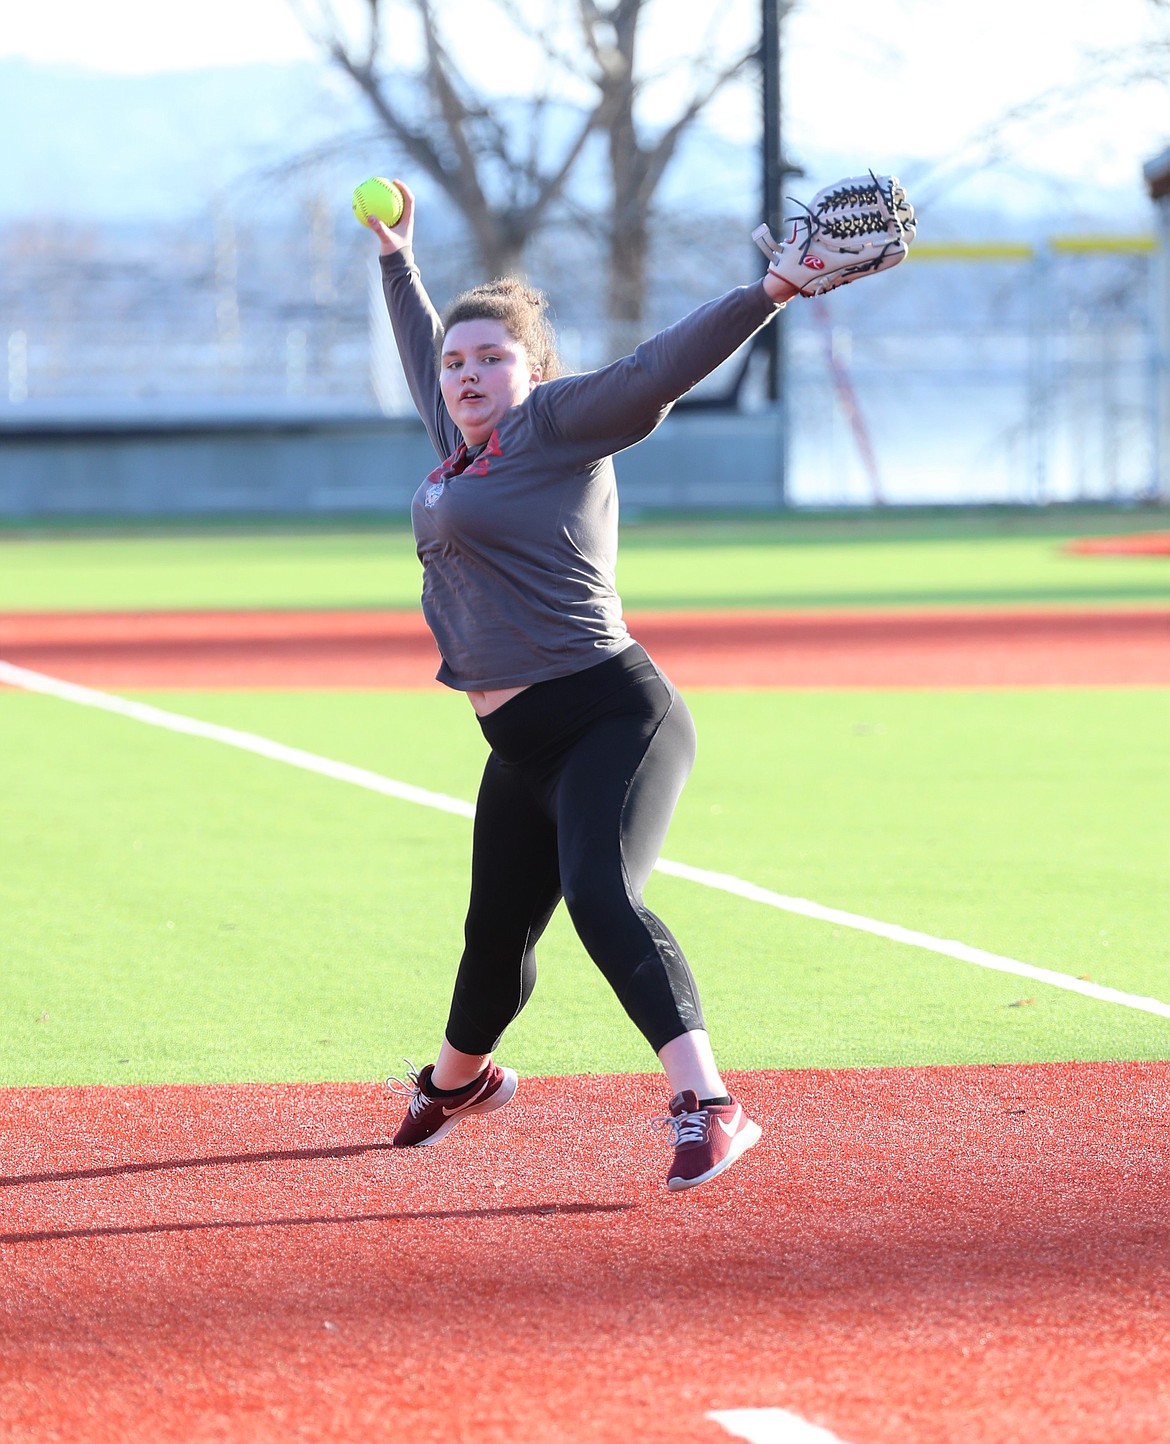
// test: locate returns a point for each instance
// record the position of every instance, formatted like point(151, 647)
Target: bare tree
point(491, 166)
point(495, 175)
point(639, 153)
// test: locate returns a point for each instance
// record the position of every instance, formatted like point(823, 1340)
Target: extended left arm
point(623, 402)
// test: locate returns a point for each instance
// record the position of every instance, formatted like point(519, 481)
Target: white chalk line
point(772, 1426)
point(231, 737)
point(721, 882)
point(947, 947)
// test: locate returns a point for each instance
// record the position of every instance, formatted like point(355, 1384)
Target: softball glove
point(854, 228)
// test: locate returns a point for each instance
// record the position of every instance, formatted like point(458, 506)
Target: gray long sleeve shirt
point(519, 546)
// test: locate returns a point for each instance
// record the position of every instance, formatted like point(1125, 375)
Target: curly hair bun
point(520, 309)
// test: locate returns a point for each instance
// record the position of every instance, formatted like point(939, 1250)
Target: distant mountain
point(125, 149)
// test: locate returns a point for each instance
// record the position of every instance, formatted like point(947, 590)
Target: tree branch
point(659, 156)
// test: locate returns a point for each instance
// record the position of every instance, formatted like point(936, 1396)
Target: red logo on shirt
point(479, 467)
point(457, 463)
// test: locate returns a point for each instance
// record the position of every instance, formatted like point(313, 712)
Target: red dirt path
point(1136, 544)
point(944, 1256)
point(716, 649)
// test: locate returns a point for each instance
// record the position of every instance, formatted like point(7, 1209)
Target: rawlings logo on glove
point(853, 228)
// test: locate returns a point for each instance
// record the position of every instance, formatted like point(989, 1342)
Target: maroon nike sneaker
point(429, 1119)
point(706, 1140)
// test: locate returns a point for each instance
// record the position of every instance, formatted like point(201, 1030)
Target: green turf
point(175, 910)
point(975, 559)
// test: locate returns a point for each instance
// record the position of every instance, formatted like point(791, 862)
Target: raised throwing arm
point(415, 322)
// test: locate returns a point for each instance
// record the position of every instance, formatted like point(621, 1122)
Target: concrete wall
point(279, 466)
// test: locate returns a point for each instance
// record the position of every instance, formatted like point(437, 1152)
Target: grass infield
point(176, 911)
point(179, 911)
point(865, 560)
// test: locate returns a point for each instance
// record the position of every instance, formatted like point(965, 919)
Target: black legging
point(575, 801)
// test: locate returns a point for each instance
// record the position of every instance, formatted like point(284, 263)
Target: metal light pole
point(1157, 177)
point(776, 170)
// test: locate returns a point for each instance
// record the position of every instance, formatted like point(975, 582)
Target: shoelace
point(685, 1127)
point(408, 1087)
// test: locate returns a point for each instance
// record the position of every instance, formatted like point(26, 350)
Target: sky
point(913, 79)
point(138, 37)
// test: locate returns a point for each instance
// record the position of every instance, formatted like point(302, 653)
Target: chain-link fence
point(972, 374)
point(993, 373)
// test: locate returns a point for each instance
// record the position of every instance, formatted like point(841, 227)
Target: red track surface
point(1136, 544)
point(943, 1256)
point(721, 649)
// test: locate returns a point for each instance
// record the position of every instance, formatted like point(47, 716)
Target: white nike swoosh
point(731, 1128)
point(450, 1112)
